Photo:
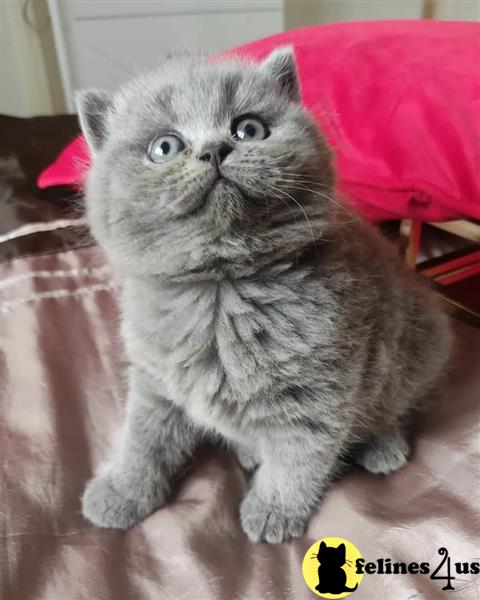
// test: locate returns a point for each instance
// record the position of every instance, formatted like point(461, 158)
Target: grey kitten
point(256, 309)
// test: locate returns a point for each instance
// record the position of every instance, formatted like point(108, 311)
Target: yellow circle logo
point(329, 568)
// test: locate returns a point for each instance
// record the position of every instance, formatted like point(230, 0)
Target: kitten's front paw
point(247, 458)
point(385, 454)
point(264, 522)
point(104, 506)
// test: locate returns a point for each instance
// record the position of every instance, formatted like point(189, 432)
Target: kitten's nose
point(215, 153)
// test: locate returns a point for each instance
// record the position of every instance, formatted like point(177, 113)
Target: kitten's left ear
point(93, 107)
point(280, 64)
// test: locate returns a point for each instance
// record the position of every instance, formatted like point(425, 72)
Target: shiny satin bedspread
point(62, 399)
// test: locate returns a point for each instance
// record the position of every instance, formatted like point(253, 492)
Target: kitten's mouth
point(219, 192)
point(221, 180)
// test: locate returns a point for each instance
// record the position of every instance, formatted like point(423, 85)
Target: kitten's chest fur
point(217, 347)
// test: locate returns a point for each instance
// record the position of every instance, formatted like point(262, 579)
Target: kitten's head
point(331, 557)
point(205, 167)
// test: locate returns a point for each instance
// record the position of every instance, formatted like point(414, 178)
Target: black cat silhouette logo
point(329, 568)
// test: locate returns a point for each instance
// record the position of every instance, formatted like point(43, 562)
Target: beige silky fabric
point(62, 399)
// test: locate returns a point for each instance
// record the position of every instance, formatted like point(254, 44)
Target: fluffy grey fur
point(256, 308)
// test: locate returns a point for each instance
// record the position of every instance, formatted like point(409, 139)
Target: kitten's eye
point(249, 128)
point(164, 148)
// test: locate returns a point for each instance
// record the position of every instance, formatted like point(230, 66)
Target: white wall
point(301, 13)
point(29, 69)
point(29, 78)
point(101, 43)
point(456, 10)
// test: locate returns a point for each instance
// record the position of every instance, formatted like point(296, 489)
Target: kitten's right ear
point(323, 546)
point(93, 107)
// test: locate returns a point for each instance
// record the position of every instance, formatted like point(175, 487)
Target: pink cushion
point(400, 103)
point(70, 166)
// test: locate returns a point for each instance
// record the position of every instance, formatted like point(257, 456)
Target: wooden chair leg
point(411, 232)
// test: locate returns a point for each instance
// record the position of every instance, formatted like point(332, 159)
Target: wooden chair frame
point(452, 268)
